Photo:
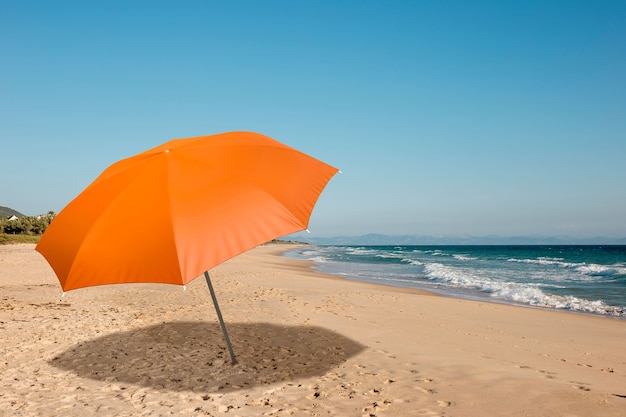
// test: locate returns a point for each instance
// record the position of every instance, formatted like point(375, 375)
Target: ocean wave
point(389, 255)
point(530, 294)
point(544, 261)
point(592, 270)
point(464, 258)
point(435, 252)
point(412, 261)
point(318, 259)
point(452, 276)
point(361, 251)
point(314, 256)
point(600, 270)
point(536, 297)
point(458, 256)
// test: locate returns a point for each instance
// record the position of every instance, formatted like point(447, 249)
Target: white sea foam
point(592, 270)
point(389, 255)
point(464, 258)
point(412, 262)
point(522, 294)
point(598, 270)
point(452, 276)
point(361, 251)
point(531, 294)
point(536, 297)
point(314, 256)
point(544, 261)
point(570, 302)
point(319, 259)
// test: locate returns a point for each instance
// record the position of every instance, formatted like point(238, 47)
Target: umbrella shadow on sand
point(193, 356)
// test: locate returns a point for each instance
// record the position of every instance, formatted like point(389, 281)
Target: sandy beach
point(306, 344)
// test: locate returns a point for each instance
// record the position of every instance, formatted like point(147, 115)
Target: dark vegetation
point(23, 229)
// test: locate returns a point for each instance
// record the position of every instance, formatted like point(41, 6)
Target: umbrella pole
point(219, 316)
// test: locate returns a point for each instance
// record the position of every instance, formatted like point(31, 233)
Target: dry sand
point(307, 345)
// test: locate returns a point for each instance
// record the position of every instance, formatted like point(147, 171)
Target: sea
point(584, 279)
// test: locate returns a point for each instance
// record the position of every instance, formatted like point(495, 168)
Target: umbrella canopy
point(170, 213)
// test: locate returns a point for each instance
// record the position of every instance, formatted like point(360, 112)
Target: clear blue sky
point(446, 117)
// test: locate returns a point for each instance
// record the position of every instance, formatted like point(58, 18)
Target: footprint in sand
point(428, 413)
point(426, 390)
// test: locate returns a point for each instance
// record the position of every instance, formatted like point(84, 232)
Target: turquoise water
point(589, 279)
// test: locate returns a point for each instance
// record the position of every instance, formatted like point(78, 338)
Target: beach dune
point(307, 345)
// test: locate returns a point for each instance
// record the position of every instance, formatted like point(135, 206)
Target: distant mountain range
point(8, 212)
point(381, 239)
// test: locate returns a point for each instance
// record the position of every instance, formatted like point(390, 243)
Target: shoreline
point(468, 295)
point(307, 343)
point(392, 288)
point(310, 265)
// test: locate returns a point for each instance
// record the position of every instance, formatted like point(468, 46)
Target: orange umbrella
point(169, 214)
